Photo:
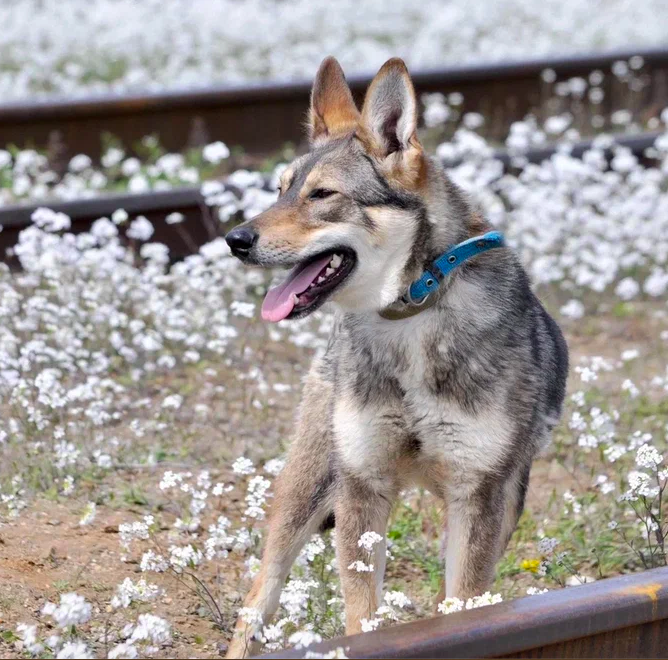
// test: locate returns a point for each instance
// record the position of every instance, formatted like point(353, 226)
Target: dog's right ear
point(333, 111)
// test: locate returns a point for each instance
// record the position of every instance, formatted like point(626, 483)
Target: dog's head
point(345, 219)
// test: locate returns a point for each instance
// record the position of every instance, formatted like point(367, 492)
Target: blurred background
point(77, 47)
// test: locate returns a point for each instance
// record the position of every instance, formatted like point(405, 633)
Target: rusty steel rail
point(155, 206)
point(262, 117)
point(199, 225)
point(622, 617)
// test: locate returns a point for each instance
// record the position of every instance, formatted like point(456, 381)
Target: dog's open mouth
point(308, 285)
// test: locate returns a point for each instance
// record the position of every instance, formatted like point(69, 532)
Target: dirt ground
point(45, 552)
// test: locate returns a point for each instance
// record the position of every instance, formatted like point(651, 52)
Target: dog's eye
point(321, 193)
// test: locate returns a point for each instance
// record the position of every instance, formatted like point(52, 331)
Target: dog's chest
point(387, 409)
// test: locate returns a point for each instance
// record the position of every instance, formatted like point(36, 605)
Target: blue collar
point(430, 280)
point(419, 292)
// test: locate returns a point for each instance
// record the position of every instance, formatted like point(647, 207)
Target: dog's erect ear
point(333, 111)
point(390, 111)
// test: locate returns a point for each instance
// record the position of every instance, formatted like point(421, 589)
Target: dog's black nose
point(241, 240)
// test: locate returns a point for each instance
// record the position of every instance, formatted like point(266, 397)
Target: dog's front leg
point(303, 499)
point(359, 509)
point(482, 515)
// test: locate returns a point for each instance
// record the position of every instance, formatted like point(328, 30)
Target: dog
point(452, 380)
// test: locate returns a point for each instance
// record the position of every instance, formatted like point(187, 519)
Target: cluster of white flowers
point(129, 592)
point(390, 610)
point(110, 49)
point(256, 497)
point(450, 605)
point(145, 637)
point(369, 540)
point(184, 557)
point(28, 175)
point(128, 532)
point(73, 610)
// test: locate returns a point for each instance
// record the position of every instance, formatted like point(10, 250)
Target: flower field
point(120, 45)
point(145, 410)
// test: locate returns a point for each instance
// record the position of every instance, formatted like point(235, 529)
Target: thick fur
point(459, 398)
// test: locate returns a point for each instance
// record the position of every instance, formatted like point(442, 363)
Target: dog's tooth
point(336, 261)
point(321, 279)
point(329, 271)
point(295, 298)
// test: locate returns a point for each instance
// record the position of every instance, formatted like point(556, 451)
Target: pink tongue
point(279, 302)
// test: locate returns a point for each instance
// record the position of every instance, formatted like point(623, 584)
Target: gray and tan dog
point(458, 395)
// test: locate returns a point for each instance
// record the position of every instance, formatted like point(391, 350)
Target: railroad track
point(199, 225)
point(623, 617)
point(262, 117)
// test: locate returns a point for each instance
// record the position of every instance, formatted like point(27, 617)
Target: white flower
point(130, 166)
point(112, 157)
point(370, 624)
point(251, 616)
point(28, 635)
point(68, 485)
point(175, 218)
point(482, 601)
point(648, 456)
point(151, 628)
point(274, 466)
point(49, 220)
point(243, 466)
point(547, 545)
point(397, 599)
point(119, 216)
point(573, 309)
point(173, 401)
point(628, 288)
point(80, 163)
point(256, 497)
point(124, 650)
point(73, 610)
point(450, 605)
point(253, 565)
point(657, 283)
point(151, 561)
point(535, 591)
point(368, 540)
point(128, 592)
point(184, 557)
point(629, 386)
point(75, 649)
point(140, 229)
point(239, 308)
point(215, 152)
point(304, 638)
point(295, 596)
point(215, 249)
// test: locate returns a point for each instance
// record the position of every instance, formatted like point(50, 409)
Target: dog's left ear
point(390, 112)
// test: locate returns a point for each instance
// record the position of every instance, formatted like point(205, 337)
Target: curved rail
point(262, 117)
point(622, 617)
point(198, 226)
